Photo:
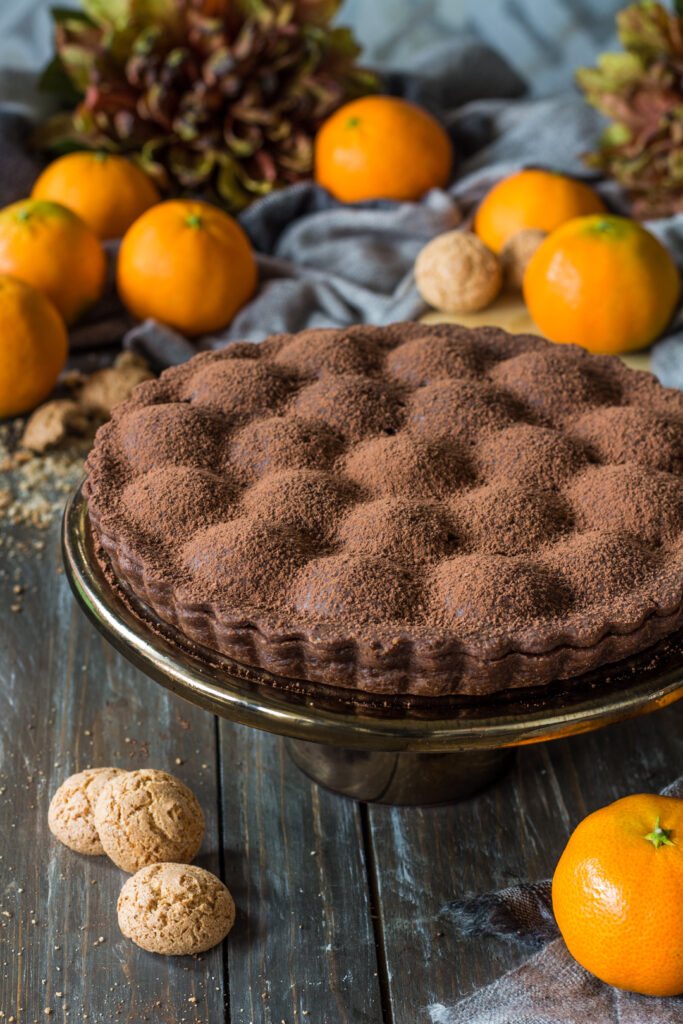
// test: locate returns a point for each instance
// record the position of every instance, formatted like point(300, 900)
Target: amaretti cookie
point(146, 817)
point(71, 816)
point(176, 909)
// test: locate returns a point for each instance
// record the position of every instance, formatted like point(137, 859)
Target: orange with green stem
point(107, 191)
point(532, 198)
point(381, 147)
point(50, 247)
point(603, 282)
point(618, 894)
point(187, 264)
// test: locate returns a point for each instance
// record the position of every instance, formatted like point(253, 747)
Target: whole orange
point(618, 894)
point(603, 282)
point(50, 247)
point(532, 199)
point(380, 147)
point(186, 264)
point(33, 346)
point(108, 192)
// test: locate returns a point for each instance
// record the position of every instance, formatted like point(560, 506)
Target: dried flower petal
point(642, 92)
point(218, 96)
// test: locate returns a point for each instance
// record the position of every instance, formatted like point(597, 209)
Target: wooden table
point(509, 312)
point(339, 905)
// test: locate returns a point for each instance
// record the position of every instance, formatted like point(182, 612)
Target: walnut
point(517, 252)
point(52, 422)
point(106, 388)
point(457, 273)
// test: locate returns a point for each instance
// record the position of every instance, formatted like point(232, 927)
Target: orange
point(380, 147)
point(33, 346)
point(108, 192)
point(186, 264)
point(532, 199)
point(50, 247)
point(603, 282)
point(618, 894)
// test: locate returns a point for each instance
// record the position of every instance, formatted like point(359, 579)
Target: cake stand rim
point(257, 703)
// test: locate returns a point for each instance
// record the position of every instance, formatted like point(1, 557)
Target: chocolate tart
point(400, 510)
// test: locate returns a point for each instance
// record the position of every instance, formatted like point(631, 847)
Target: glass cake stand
point(406, 751)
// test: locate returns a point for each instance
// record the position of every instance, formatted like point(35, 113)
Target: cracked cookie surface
point(71, 816)
point(147, 817)
point(175, 909)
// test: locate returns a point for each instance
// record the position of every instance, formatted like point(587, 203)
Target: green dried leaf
point(246, 145)
point(78, 63)
point(69, 18)
point(107, 12)
point(616, 135)
point(56, 80)
point(675, 165)
point(117, 14)
point(228, 185)
point(615, 71)
point(649, 29)
point(316, 12)
point(192, 169)
point(340, 42)
point(58, 131)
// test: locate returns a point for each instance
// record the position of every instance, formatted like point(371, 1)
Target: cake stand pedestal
point(417, 751)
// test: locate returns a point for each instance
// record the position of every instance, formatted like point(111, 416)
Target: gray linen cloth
point(550, 987)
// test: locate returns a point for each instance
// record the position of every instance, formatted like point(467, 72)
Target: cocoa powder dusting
point(361, 506)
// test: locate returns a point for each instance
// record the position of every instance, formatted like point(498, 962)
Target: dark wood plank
point(303, 949)
point(67, 701)
point(515, 831)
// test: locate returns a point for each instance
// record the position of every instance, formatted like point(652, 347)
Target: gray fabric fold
point(550, 987)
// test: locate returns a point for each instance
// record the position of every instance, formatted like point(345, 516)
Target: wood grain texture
point(291, 854)
point(509, 312)
point(515, 831)
point(340, 908)
point(67, 701)
point(302, 948)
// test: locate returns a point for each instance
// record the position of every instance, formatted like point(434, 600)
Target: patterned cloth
point(550, 988)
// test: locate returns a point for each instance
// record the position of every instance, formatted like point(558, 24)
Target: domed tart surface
point(404, 509)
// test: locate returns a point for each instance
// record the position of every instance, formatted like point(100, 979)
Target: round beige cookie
point(175, 909)
point(146, 817)
point(71, 815)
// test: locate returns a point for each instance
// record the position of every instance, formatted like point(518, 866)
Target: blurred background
point(544, 40)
